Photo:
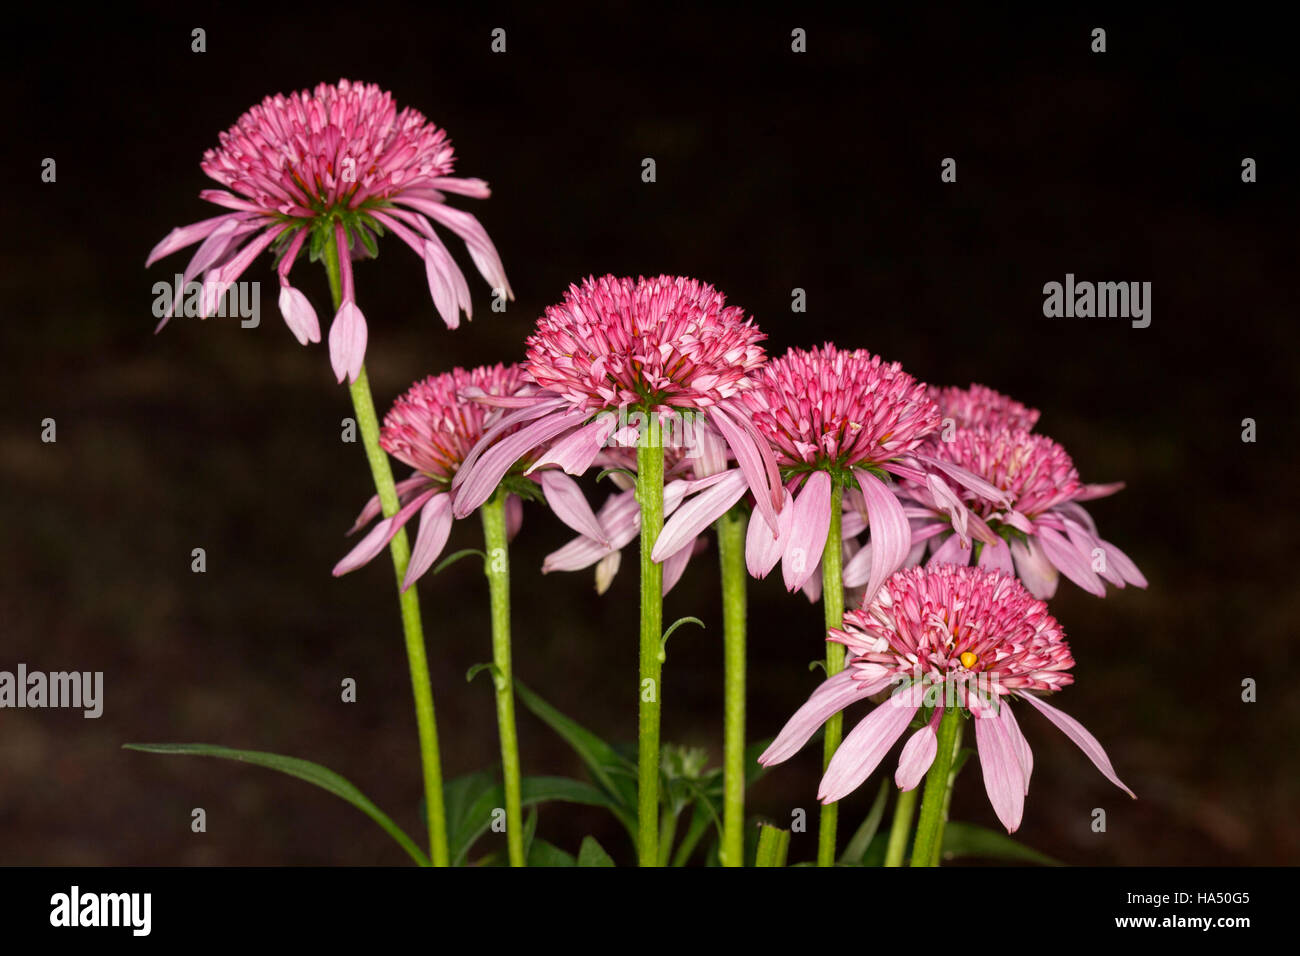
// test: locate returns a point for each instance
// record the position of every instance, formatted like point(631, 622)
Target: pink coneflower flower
point(616, 351)
point(1047, 529)
point(980, 405)
point(947, 637)
point(337, 163)
point(432, 428)
point(831, 416)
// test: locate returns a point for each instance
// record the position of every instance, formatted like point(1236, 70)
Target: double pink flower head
point(618, 362)
point(339, 164)
point(943, 637)
point(1039, 529)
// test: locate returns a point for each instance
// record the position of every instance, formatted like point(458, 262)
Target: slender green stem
point(497, 569)
point(947, 796)
point(938, 782)
point(421, 687)
point(833, 606)
point(650, 496)
point(901, 827)
point(731, 556)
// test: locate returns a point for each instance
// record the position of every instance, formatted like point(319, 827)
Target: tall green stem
point(833, 605)
point(497, 569)
point(650, 496)
point(901, 827)
point(421, 687)
point(947, 797)
point(938, 783)
point(731, 556)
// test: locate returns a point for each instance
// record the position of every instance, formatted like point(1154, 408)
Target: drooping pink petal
point(606, 568)
point(675, 566)
point(576, 451)
point(762, 547)
point(1067, 559)
point(950, 551)
point(404, 488)
point(918, 754)
point(808, 528)
point(996, 557)
point(535, 408)
point(481, 479)
point(379, 536)
point(891, 535)
point(696, 514)
point(756, 461)
point(967, 479)
point(1018, 743)
point(447, 285)
point(570, 505)
point(299, 316)
point(1082, 739)
point(183, 236)
point(348, 342)
point(866, 745)
point(476, 239)
point(514, 516)
point(1032, 567)
point(435, 527)
point(832, 696)
point(1091, 492)
point(1000, 762)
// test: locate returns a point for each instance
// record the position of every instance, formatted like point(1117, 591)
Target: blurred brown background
point(775, 171)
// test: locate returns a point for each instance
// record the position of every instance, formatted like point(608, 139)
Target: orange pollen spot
point(968, 660)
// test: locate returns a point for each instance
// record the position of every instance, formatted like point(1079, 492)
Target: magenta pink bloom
point(980, 405)
point(944, 637)
point(832, 416)
point(432, 428)
point(1039, 532)
point(342, 164)
point(618, 357)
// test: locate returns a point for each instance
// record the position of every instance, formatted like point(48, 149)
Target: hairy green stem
point(938, 783)
point(833, 606)
point(650, 497)
point(421, 687)
point(497, 568)
point(901, 827)
point(731, 557)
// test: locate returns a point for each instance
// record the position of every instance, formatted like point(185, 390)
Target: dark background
point(775, 170)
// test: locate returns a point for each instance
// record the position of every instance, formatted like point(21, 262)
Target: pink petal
point(379, 536)
point(1082, 739)
point(435, 526)
point(996, 557)
point(832, 696)
point(1066, 557)
point(695, 516)
point(570, 505)
point(482, 479)
point(183, 236)
point(535, 408)
point(299, 316)
point(514, 516)
point(918, 755)
point(950, 552)
point(808, 529)
point(348, 342)
point(967, 479)
point(756, 461)
point(891, 535)
point(762, 547)
point(1000, 762)
point(576, 451)
point(1037, 573)
point(675, 566)
point(1019, 744)
point(372, 508)
point(866, 745)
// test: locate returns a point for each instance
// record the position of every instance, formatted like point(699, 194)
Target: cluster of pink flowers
point(955, 478)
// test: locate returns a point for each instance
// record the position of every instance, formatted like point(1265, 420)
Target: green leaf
point(663, 641)
point(474, 671)
point(453, 558)
point(967, 839)
point(368, 241)
point(773, 845)
point(613, 471)
point(470, 804)
point(313, 773)
point(614, 774)
point(592, 853)
point(857, 845)
point(548, 854)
